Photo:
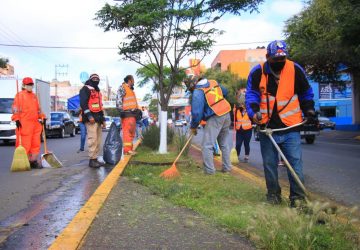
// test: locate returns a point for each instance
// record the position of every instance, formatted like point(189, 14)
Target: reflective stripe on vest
point(242, 121)
point(129, 100)
point(288, 104)
point(95, 100)
point(215, 99)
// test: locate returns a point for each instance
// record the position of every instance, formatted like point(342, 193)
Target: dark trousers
point(243, 136)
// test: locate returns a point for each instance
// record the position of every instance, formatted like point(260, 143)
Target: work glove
point(257, 118)
point(18, 124)
point(91, 119)
point(311, 117)
point(194, 131)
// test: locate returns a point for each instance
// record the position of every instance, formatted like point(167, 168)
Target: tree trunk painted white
point(163, 133)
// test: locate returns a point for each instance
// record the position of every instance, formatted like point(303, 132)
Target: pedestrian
point(243, 129)
point(208, 103)
point(145, 118)
point(127, 104)
point(279, 91)
point(93, 117)
point(28, 119)
point(83, 132)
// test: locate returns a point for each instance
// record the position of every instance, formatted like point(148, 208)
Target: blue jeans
point(83, 133)
point(243, 136)
point(290, 144)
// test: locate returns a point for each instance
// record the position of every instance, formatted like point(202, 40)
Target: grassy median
point(239, 206)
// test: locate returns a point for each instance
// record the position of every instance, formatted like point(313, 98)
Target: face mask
point(29, 88)
point(277, 66)
point(95, 82)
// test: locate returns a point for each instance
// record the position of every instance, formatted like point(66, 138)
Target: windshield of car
point(56, 116)
point(324, 119)
point(5, 105)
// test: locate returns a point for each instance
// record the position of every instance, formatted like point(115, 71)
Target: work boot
point(93, 163)
point(273, 199)
point(101, 163)
point(35, 165)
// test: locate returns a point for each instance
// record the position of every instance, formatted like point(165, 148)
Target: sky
point(71, 23)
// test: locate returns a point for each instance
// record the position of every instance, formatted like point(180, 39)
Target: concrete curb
point(72, 236)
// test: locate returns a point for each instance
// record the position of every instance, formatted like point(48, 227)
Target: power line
point(105, 48)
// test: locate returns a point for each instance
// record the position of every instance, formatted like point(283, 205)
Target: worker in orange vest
point(277, 94)
point(208, 103)
point(93, 117)
point(28, 119)
point(129, 111)
point(243, 129)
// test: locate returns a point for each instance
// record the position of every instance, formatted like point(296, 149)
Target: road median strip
point(72, 236)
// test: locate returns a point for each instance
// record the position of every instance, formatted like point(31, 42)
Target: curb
point(72, 236)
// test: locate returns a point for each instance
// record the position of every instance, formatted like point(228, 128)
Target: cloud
point(286, 8)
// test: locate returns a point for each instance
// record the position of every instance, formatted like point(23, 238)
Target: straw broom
point(234, 159)
point(173, 172)
point(20, 159)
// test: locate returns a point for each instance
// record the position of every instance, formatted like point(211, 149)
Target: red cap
point(27, 81)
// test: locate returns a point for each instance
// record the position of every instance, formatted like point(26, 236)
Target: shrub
point(152, 137)
point(179, 141)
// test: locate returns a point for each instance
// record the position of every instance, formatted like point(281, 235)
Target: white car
point(179, 123)
point(108, 121)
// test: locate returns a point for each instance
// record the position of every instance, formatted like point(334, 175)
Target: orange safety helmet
point(27, 81)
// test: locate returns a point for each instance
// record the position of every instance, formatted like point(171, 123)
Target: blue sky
point(70, 23)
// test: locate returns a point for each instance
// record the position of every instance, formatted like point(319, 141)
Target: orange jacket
point(26, 107)
point(95, 100)
point(288, 104)
point(129, 100)
point(242, 120)
point(215, 99)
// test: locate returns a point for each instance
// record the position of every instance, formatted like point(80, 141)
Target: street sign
point(84, 76)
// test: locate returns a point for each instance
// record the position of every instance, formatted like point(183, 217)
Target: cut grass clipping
point(243, 208)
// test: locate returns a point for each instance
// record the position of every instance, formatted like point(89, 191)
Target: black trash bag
point(113, 146)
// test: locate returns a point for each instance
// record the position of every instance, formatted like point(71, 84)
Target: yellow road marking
point(259, 180)
point(72, 235)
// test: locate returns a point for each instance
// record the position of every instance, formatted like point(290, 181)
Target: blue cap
point(277, 48)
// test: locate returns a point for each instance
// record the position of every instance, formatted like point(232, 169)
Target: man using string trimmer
point(277, 95)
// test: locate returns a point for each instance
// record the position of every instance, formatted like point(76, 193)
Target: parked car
point(76, 121)
point(184, 122)
point(179, 123)
point(117, 122)
point(325, 122)
point(60, 124)
point(108, 121)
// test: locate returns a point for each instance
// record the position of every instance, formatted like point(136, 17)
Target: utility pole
point(59, 72)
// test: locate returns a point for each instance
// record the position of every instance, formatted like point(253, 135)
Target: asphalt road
point(36, 205)
point(331, 165)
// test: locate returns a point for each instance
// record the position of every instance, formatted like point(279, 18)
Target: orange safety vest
point(215, 99)
point(242, 120)
point(26, 107)
point(129, 100)
point(95, 100)
point(288, 105)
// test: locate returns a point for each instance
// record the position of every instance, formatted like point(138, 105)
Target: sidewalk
point(133, 218)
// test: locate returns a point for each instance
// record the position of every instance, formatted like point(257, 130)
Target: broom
point(233, 154)
point(20, 160)
point(173, 172)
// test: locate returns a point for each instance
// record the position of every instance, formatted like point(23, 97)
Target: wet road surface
point(37, 205)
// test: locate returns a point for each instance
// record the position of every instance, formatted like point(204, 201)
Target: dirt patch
point(133, 218)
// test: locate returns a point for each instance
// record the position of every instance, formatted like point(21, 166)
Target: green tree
point(163, 32)
point(229, 80)
point(3, 62)
point(324, 36)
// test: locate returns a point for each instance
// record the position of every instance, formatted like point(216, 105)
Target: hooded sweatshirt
point(84, 95)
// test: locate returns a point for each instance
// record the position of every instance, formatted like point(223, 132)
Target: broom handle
point(19, 129)
point(44, 138)
point(234, 125)
point(188, 141)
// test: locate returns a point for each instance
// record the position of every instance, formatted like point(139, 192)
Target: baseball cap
point(277, 48)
